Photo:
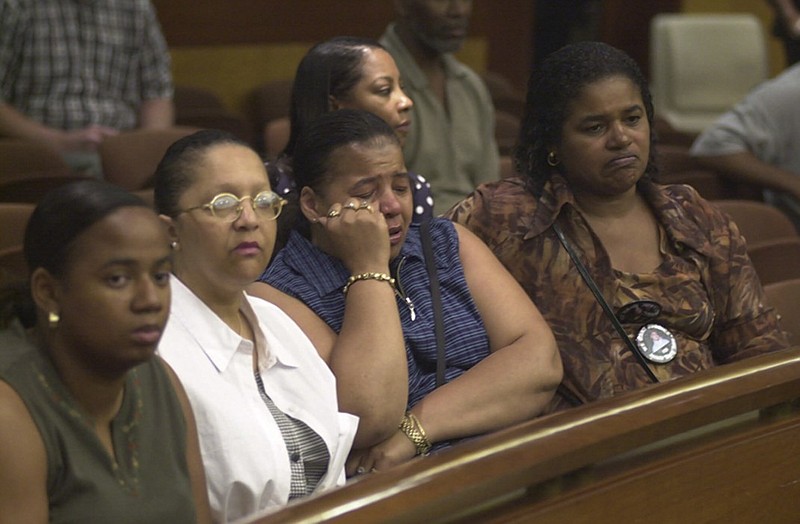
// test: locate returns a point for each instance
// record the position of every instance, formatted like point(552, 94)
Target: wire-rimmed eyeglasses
point(228, 207)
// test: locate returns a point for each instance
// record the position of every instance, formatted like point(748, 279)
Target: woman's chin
point(249, 270)
point(395, 248)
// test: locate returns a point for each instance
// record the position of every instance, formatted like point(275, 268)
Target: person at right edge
point(451, 143)
point(663, 258)
point(786, 27)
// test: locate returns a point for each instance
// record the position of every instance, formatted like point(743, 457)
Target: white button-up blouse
point(245, 457)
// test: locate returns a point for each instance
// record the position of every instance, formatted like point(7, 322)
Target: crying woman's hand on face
point(356, 233)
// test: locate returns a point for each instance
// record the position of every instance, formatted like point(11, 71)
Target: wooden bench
point(720, 446)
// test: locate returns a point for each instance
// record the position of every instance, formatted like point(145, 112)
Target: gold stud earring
point(53, 319)
point(552, 159)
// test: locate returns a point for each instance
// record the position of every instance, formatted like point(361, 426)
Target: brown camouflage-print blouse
point(710, 295)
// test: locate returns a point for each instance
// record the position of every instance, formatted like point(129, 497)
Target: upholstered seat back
point(703, 64)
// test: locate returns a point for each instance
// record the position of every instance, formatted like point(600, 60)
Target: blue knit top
point(305, 272)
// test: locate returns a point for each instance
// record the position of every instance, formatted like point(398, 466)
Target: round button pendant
point(656, 343)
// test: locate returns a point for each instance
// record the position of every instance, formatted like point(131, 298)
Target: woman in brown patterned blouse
point(664, 259)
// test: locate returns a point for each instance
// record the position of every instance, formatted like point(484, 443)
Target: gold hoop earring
point(53, 319)
point(552, 159)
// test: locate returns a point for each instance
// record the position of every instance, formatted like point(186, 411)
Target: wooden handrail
point(503, 469)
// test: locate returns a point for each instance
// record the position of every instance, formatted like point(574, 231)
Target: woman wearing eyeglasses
point(665, 263)
point(269, 424)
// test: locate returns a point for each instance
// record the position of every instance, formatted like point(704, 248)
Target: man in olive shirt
point(451, 142)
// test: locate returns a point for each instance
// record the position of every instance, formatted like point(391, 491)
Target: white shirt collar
point(219, 342)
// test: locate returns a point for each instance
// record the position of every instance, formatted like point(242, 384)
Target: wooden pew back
point(722, 446)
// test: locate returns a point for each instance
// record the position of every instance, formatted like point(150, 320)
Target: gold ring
point(350, 205)
point(333, 213)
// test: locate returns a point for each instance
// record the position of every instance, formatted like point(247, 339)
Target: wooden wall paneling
point(625, 24)
point(230, 46)
point(225, 22)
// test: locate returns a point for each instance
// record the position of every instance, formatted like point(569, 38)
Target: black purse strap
point(606, 308)
point(430, 264)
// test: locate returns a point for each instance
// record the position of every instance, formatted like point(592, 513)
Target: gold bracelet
point(382, 277)
point(411, 427)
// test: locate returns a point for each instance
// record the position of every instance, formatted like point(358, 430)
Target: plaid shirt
point(72, 63)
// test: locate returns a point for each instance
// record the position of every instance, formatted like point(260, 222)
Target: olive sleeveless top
point(147, 482)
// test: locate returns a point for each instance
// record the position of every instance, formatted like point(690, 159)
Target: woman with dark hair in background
point(353, 73)
point(653, 257)
point(93, 427)
point(270, 428)
point(358, 280)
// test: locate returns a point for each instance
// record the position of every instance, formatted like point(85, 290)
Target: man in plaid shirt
point(75, 71)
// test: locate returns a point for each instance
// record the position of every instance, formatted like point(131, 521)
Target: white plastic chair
point(703, 64)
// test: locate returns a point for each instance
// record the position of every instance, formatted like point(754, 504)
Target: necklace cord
point(603, 304)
